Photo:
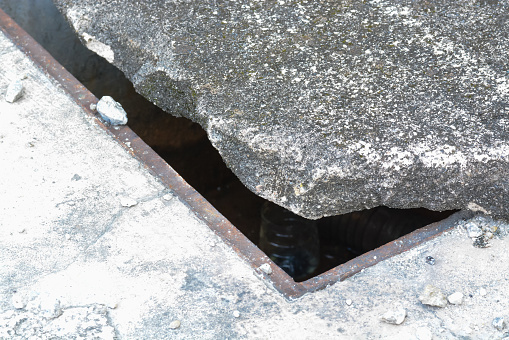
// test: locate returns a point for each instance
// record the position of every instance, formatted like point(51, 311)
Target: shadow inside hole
point(184, 145)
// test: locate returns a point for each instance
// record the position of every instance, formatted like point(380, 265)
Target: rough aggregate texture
point(326, 107)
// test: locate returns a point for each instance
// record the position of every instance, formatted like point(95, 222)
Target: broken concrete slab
point(326, 108)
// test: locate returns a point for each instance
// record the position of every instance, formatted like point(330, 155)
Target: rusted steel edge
point(398, 246)
point(281, 281)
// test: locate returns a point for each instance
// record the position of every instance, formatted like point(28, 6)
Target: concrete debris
point(430, 260)
point(168, 197)
point(128, 202)
point(473, 230)
point(395, 317)
point(111, 111)
point(175, 324)
point(455, 298)
point(266, 268)
point(432, 296)
point(499, 323)
point(482, 231)
point(14, 91)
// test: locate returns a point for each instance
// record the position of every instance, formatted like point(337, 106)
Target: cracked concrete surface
point(69, 251)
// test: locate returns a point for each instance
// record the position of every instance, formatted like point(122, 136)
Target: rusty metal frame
point(281, 281)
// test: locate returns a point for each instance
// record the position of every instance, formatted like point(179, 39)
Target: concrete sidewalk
point(77, 262)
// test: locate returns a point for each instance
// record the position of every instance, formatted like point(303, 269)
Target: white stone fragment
point(266, 268)
point(175, 324)
point(473, 230)
point(236, 313)
point(432, 296)
point(483, 292)
point(455, 298)
point(14, 91)
point(168, 197)
point(499, 323)
point(395, 317)
point(111, 111)
point(348, 302)
point(127, 202)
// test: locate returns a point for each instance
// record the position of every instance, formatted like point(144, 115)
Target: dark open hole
point(184, 145)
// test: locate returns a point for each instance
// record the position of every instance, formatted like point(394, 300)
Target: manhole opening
point(322, 244)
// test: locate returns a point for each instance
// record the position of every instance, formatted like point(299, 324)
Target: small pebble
point(432, 296)
point(455, 298)
point(499, 323)
point(266, 268)
point(394, 317)
point(168, 197)
point(93, 107)
point(236, 313)
point(175, 324)
point(348, 302)
point(128, 202)
point(111, 111)
point(482, 292)
point(14, 91)
point(473, 230)
point(430, 260)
